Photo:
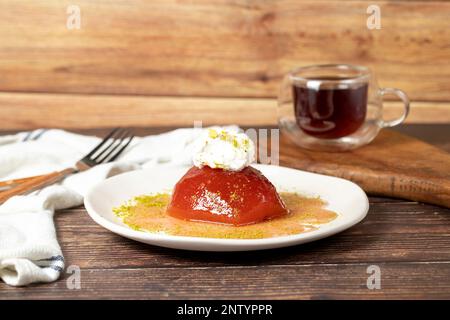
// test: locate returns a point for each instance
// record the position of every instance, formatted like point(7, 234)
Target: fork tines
point(110, 147)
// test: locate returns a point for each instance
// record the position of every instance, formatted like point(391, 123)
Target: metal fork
point(106, 151)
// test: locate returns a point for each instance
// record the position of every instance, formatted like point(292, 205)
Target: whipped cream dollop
point(224, 149)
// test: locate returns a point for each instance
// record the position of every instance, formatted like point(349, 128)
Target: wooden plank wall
point(171, 62)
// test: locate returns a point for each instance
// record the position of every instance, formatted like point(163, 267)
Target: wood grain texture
point(393, 231)
point(408, 240)
point(226, 48)
point(328, 281)
point(393, 165)
point(23, 111)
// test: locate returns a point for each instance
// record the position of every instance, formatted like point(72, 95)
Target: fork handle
point(35, 183)
point(13, 182)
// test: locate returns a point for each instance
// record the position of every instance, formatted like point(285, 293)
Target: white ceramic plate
point(342, 196)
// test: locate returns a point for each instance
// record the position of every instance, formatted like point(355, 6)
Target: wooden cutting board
point(393, 165)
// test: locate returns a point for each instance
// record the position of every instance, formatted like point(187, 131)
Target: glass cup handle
point(402, 95)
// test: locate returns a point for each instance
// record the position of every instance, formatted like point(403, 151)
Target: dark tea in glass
point(330, 111)
point(334, 107)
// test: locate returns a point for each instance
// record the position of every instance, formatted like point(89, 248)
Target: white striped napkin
point(29, 250)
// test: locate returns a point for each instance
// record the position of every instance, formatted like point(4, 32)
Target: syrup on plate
point(148, 213)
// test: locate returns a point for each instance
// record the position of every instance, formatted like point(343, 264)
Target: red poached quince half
point(222, 187)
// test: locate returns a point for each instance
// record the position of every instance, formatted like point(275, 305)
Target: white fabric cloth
point(29, 250)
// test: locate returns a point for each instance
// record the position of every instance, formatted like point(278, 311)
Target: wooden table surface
point(409, 241)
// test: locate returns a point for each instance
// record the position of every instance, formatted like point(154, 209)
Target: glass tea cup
point(335, 107)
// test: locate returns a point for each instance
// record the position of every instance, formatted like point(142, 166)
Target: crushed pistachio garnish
point(224, 149)
point(147, 213)
point(225, 136)
point(212, 133)
point(157, 200)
